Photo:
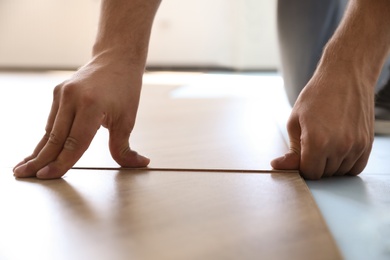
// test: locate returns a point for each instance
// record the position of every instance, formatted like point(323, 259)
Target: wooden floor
point(209, 192)
point(98, 214)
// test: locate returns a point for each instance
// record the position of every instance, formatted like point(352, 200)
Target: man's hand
point(330, 127)
point(103, 92)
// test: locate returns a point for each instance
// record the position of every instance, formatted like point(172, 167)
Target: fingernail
point(42, 173)
point(20, 170)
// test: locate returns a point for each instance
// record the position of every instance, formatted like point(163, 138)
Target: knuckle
point(53, 139)
point(46, 136)
point(69, 87)
point(75, 92)
point(31, 166)
point(68, 91)
point(292, 123)
point(48, 129)
point(71, 144)
point(294, 148)
point(124, 152)
point(57, 91)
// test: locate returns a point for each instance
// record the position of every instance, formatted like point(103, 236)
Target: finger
point(342, 158)
point(332, 166)
point(48, 128)
point(54, 109)
point(291, 160)
point(361, 163)
point(121, 151)
point(348, 163)
point(80, 136)
point(35, 153)
point(313, 161)
point(53, 146)
point(356, 159)
point(50, 121)
point(345, 167)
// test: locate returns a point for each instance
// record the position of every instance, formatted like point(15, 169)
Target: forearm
point(124, 29)
point(362, 41)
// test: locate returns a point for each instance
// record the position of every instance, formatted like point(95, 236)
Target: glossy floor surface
point(97, 214)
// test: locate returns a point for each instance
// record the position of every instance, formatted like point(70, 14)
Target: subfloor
point(209, 192)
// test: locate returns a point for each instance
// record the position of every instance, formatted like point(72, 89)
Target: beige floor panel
point(161, 215)
point(198, 133)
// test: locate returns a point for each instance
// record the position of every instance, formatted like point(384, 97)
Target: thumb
point(291, 160)
point(121, 151)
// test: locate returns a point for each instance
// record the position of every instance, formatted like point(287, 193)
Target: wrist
point(119, 57)
point(345, 61)
point(126, 54)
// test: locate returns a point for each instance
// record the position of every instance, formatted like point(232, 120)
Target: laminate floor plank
point(92, 214)
point(226, 130)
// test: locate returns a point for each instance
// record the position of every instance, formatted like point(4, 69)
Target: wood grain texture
point(214, 133)
point(161, 215)
point(170, 214)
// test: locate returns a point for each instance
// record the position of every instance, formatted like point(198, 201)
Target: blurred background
point(202, 34)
